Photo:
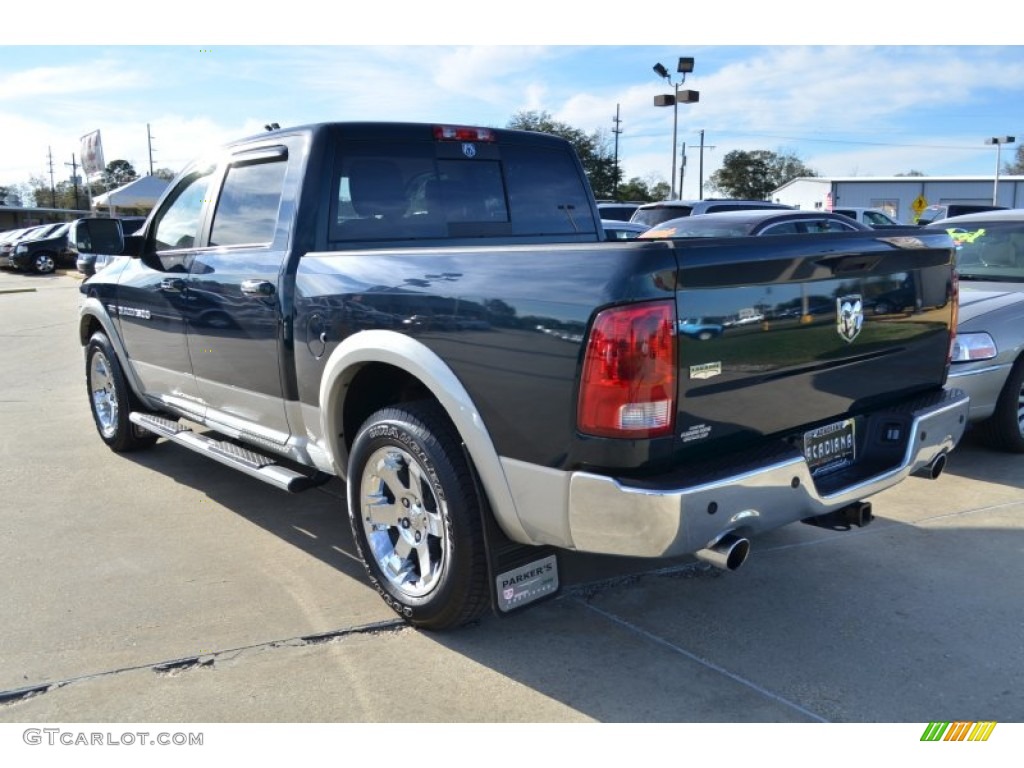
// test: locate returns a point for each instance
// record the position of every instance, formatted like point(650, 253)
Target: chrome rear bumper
point(692, 510)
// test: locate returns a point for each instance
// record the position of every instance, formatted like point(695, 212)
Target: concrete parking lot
point(161, 587)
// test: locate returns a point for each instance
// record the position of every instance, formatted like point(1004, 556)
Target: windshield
point(651, 216)
point(710, 225)
point(990, 251)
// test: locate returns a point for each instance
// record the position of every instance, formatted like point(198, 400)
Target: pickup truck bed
point(431, 314)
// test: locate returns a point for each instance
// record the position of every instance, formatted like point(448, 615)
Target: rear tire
point(110, 398)
point(1004, 429)
point(415, 516)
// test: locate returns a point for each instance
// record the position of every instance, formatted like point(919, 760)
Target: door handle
point(259, 288)
point(172, 285)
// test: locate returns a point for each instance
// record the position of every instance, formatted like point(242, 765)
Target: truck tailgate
point(778, 334)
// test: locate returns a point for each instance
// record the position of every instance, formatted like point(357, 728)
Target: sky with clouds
point(844, 109)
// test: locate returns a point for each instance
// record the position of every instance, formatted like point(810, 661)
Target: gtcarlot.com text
point(59, 736)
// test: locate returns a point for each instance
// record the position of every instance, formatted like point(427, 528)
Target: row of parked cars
point(988, 354)
point(45, 247)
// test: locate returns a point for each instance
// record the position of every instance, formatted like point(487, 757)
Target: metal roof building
point(902, 197)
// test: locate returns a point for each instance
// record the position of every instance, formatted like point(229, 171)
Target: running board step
point(243, 459)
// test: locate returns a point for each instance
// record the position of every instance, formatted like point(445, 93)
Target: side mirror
point(99, 236)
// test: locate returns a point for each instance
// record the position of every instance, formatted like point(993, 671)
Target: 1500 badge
point(705, 370)
point(117, 309)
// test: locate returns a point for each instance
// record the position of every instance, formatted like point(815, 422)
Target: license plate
point(830, 447)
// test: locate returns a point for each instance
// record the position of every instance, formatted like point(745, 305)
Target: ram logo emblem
point(849, 316)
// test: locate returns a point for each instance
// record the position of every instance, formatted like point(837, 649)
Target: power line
point(851, 141)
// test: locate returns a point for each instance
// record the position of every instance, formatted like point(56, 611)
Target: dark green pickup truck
point(432, 314)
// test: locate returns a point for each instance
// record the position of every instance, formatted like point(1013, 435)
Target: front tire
point(1004, 429)
point(44, 263)
point(110, 398)
point(415, 516)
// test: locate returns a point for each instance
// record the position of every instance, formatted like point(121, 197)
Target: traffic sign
point(919, 204)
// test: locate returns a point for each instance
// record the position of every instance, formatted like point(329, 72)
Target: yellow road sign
point(919, 204)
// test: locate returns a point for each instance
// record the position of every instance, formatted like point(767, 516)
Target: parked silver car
point(988, 354)
point(873, 217)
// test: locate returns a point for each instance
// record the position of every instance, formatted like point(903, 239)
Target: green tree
point(37, 192)
point(164, 173)
point(5, 192)
point(644, 190)
point(1017, 166)
point(755, 175)
point(911, 173)
point(593, 148)
point(118, 173)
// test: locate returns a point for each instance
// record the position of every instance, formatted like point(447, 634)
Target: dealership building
point(902, 197)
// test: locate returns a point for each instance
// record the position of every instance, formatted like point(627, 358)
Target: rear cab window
point(429, 190)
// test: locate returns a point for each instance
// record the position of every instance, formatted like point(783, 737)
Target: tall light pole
point(998, 141)
point(673, 100)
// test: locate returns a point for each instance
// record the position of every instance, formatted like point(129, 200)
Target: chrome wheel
point(103, 394)
point(416, 516)
point(403, 519)
point(44, 263)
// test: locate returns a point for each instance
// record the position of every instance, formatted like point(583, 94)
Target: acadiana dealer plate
point(830, 447)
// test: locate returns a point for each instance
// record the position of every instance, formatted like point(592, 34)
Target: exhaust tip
point(728, 554)
point(933, 470)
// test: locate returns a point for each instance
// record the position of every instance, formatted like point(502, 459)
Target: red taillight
point(628, 388)
point(462, 133)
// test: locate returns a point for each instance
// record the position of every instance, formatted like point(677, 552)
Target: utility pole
point(149, 140)
point(616, 130)
point(703, 146)
point(74, 176)
point(53, 190)
point(682, 169)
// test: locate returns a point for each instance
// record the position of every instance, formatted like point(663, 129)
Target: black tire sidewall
point(420, 433)
point(1004, 424)
point(125, 437)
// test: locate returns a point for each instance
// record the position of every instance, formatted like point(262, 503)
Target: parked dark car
point(744, 223)
point(937, 212)
point(988, 355)
point(656, 213)
point(43, 255)
point(8, 244)
point(89, 263)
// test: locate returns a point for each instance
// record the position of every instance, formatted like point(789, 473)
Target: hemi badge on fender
point(705, 370)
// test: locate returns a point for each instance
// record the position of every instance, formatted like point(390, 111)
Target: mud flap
point(519, 574)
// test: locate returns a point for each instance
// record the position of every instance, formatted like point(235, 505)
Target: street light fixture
point(998, 141)
point(684, 67)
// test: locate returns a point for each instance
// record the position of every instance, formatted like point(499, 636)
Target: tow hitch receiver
point(843, 519)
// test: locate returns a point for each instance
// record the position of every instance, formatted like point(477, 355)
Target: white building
point(902, 197)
